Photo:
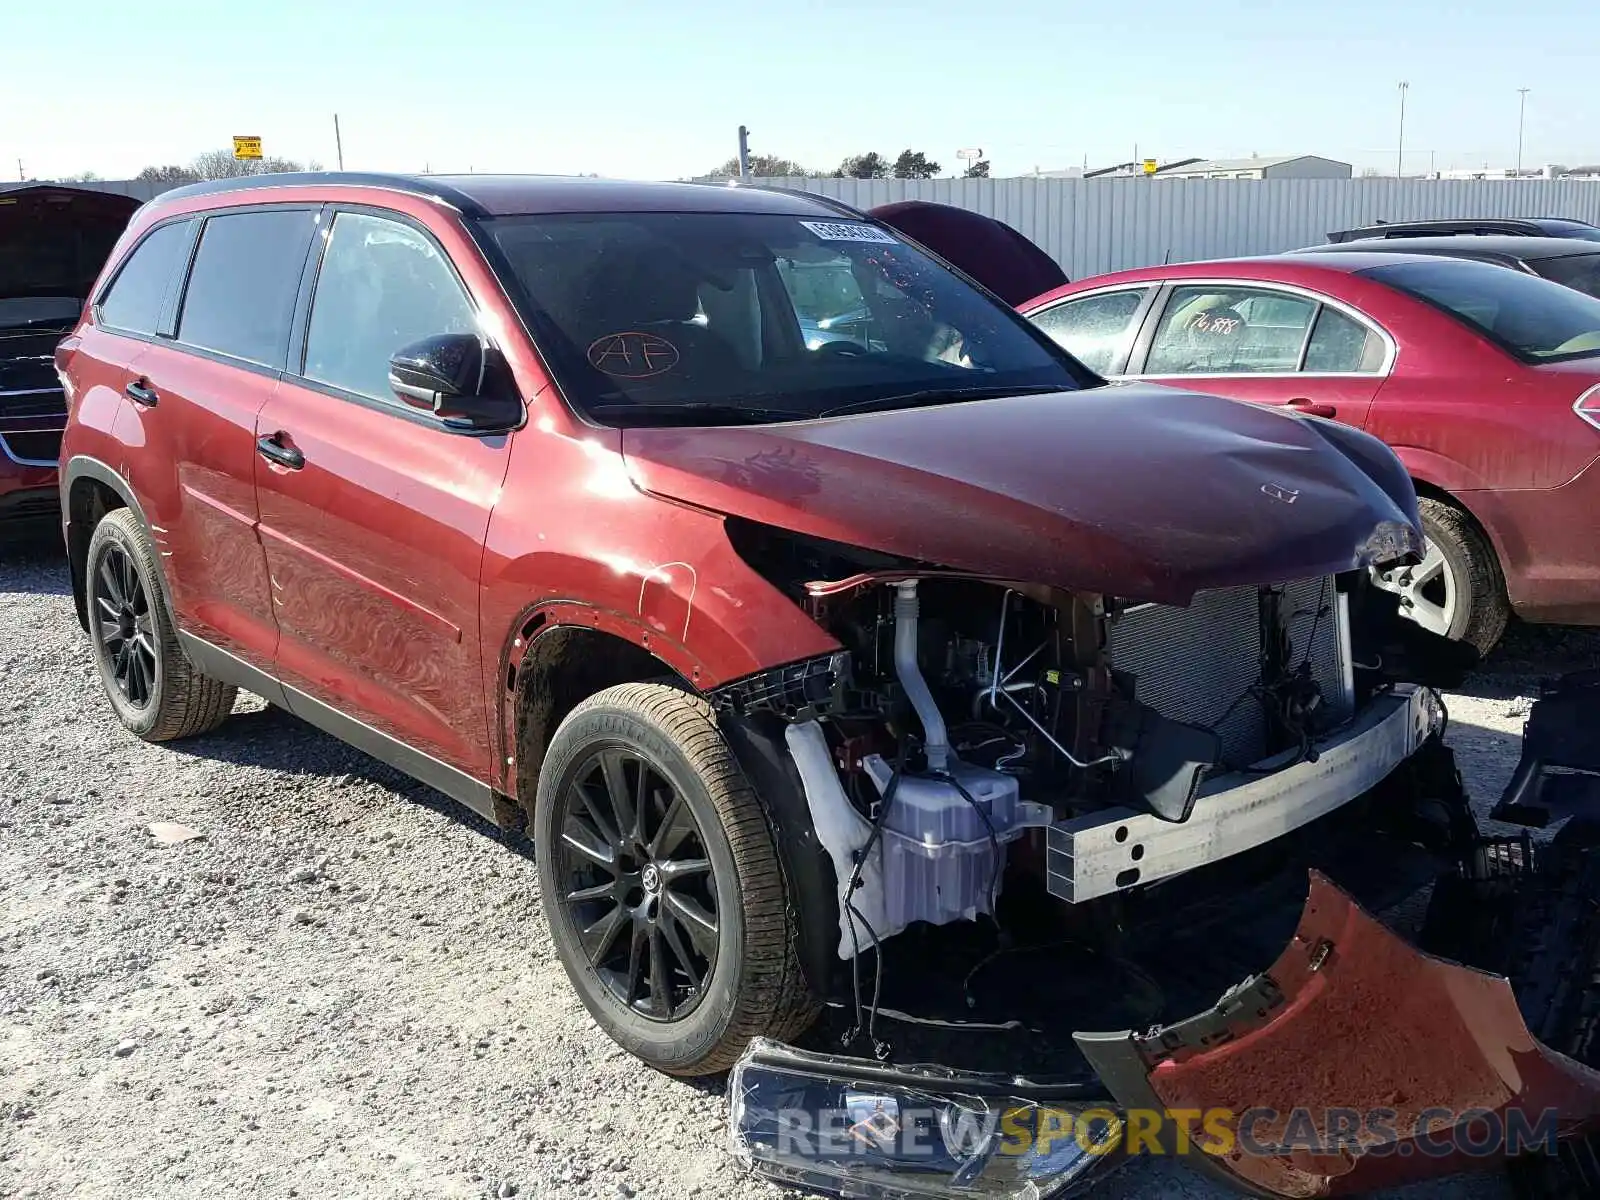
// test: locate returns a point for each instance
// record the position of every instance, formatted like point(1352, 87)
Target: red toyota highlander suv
point(802, 602)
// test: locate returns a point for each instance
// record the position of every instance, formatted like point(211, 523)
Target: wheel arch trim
point(80, 467)
point(531, 631)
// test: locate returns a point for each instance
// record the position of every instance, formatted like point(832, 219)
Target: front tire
point(156, 692)
point(661, 882)
point(1458, 590)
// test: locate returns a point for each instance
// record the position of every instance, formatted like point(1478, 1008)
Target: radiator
point(1198, 664)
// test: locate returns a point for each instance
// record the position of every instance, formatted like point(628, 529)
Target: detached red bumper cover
point(1357, 1062)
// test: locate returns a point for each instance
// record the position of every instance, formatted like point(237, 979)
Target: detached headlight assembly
point(854, 1128)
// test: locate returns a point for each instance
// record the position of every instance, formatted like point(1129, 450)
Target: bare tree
point(221, 164)
point(977, 170)
point(168, 174)
point(762, 166)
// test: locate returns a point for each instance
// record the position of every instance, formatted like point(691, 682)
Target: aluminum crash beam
point(1106, 852)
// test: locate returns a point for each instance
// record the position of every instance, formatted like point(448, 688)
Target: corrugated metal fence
point(1094, 225)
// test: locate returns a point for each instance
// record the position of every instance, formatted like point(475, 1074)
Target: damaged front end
point(1355, 1062)
point(1092, 717)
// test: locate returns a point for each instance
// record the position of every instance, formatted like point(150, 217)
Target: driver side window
point(382, 286)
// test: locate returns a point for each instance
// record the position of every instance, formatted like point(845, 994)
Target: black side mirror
point(447, 376)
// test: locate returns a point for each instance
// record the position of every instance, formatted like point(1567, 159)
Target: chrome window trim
point(1589, 418)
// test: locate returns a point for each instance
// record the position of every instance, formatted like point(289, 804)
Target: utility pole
point(744, 153)
point(1400, 151)
point(338, 142)
point(1522, 113)
point(22, 176)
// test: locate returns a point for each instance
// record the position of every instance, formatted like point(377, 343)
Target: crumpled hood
point(1132, 490)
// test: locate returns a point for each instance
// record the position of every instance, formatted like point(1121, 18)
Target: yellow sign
point(246, 147)
point(1149, 166)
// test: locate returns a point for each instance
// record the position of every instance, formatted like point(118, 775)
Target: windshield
point(18, 312)
point(1536, 320)
point(732, 317)
point(1579, 271)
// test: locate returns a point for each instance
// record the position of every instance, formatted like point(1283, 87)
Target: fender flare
point(82, 466)
point(545, 617)
point(761, 756)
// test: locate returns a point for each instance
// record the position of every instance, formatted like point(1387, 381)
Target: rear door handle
point(140, 392)
point(274, 450)
point(1311, 408)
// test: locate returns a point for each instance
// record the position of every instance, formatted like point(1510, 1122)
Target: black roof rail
point(414, 185)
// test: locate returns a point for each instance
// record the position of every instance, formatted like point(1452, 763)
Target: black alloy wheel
point(153, 687)
point(661, 881)
point(124, 626)
point(638, 884)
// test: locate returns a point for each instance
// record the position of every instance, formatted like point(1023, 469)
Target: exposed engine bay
point(1169, 776)
point(973, 725)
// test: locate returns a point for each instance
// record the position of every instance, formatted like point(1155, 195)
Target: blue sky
point(657, 90)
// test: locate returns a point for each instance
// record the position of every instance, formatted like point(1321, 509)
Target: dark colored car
point(1559, 227)
point(1486, 382)
point(1571, 262)
point(53, 242)
point(800, 664)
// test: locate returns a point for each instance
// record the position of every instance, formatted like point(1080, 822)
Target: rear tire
point(673, 927)
point(156, 692)
point(1465, 597)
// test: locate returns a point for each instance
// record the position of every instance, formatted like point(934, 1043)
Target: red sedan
point(1486, 382)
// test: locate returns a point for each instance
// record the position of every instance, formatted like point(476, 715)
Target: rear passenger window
point(240, 300)
point(1226, 330)
point(1341, 345)
point(140, 292)
point(382, 286)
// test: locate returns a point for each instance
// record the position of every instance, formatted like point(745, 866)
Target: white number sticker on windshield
point(843, 231)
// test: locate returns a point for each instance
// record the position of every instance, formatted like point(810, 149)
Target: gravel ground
point(341, 987)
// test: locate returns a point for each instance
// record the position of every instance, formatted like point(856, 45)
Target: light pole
point(1522, 114)
point(1400, 151)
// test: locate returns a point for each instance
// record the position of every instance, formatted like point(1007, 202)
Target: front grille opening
point(34, 447)
point(34, 402)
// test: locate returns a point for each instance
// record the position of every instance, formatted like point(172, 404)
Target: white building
point(1289, 166)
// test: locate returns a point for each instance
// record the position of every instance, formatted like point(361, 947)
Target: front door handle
point(140, 392)
point(1311, 408)
point(273, 449)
